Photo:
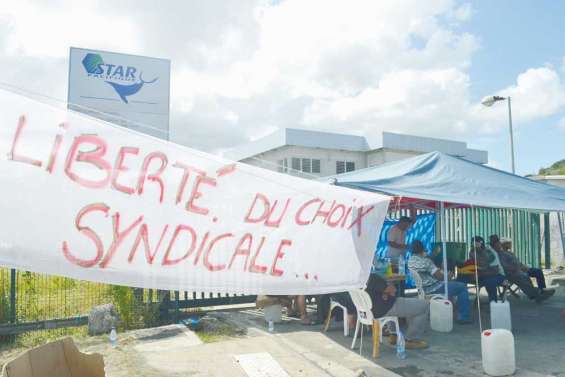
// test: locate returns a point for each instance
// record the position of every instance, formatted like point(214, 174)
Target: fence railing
point(32, 302)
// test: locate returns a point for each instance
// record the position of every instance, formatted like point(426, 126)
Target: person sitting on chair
point(433, 283)
point(436, 256)
point(532, 272)
point(516, 272)
point(415, 311)
point(490, 274)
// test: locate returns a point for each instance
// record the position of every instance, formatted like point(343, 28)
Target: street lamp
point(491, 100)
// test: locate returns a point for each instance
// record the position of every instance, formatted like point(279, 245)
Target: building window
point(315, 166)
point(282, 165)
point(344, 166)
point(305, 165)
point(296, 164)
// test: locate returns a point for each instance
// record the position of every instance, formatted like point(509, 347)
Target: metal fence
point(523, 227)
point(36, 306)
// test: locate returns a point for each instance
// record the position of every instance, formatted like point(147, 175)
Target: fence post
point(12, 295)
point(547, 240)
point(177, 294)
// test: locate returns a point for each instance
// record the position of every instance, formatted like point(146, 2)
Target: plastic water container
point(497, 346)
point(113, 337)
point(400, 346)
point(273, 313)
point(500, 315)
point(401, 266)
point(441, 315)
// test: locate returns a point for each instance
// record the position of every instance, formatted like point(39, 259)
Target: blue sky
point(515, 36)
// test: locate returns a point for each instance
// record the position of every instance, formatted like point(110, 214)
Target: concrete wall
point(380, 156)
point(554, 181)
point(555, 246)
point(375, 158)
point(557, 257)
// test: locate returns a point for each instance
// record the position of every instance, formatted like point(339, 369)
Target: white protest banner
point(85, 199)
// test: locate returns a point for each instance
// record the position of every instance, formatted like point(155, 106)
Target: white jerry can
point(441, 314)
point(500, 317)
point(497, 346)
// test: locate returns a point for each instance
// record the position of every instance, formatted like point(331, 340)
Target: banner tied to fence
point(89, 200)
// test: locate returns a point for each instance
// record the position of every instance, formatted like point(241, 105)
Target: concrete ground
point(307, 351)
point(539, 335)
point(175, 351)
point(539, 332)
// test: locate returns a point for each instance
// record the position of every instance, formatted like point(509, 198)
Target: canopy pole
point(478, 289)
point(560, 221)
point(443, 236)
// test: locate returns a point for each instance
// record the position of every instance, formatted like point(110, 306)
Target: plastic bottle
point(400, 346)
point(388, 268)
point(271, 326)
point(113, 337)
point(401, 266)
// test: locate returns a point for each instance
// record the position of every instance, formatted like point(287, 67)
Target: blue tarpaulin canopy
point(437, 177)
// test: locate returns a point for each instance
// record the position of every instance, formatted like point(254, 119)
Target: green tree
point(557, 168)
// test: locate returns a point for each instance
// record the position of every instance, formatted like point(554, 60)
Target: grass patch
point(213, 329)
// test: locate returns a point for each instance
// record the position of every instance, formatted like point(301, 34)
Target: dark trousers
point(538, 274)
point(489, 282)
point(522, 280)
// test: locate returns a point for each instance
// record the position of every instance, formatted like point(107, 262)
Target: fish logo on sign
point(115, 75)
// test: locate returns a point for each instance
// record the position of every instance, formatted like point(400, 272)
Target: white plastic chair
point(333, 305)
point(419, 286)
point(363, 304)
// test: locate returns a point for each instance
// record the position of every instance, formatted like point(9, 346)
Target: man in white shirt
point(433, 281)
point(396, 237)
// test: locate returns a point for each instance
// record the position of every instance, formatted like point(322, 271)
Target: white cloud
point(242, 69)
point(538, 93)
point(463, 13)
point(42, 30)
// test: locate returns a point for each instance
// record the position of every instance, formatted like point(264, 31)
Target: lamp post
point(491, 100)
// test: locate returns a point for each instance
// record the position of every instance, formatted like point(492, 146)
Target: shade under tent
point(438, 181)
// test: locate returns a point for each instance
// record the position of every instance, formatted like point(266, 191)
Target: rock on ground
point(101, 319)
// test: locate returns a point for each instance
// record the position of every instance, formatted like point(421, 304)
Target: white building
point(317, 154)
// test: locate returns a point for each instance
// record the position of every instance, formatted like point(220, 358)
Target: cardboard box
point(56, 359)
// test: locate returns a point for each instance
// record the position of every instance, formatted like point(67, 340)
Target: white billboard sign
point(88, 200)
point(128, 90)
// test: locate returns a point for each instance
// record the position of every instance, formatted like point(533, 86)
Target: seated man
point(489, 271)
point(536, 273)
point(437, 258)
point(415, 311)
point(432, 281)
point(517, 273)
